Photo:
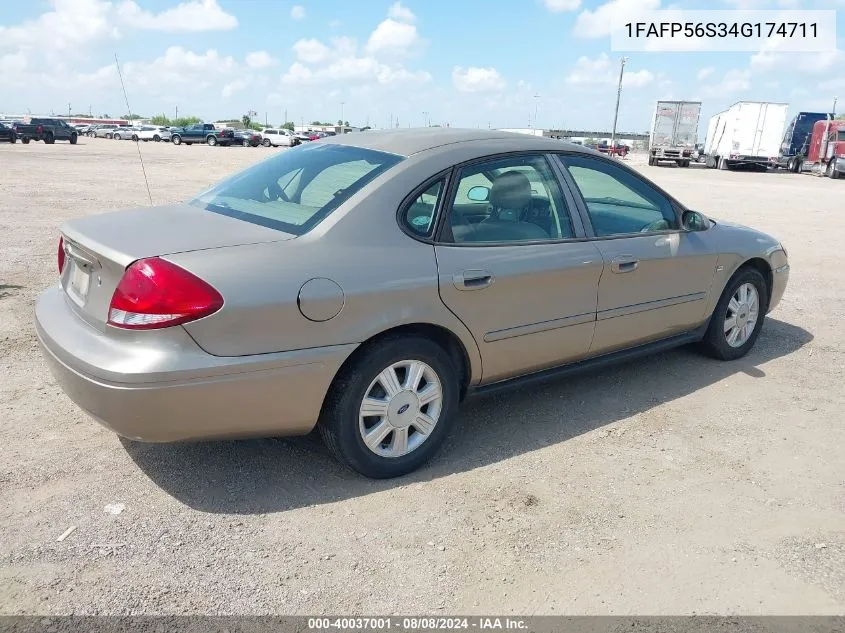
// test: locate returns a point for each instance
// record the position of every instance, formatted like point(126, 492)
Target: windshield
point(296, 189)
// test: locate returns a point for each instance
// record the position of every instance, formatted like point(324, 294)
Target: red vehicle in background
point(616, 149)
point(824, 152)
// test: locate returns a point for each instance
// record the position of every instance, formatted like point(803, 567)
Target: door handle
point(624, 264)
point(472, 279)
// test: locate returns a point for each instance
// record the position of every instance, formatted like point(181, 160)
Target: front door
point(511, 269)
point(656, 276)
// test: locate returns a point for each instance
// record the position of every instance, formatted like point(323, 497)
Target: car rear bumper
point(160, 386)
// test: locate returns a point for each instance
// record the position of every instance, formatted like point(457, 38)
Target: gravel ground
point(671, 485)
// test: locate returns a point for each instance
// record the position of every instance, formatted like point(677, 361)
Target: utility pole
point(342, 103)
point(286, 117)
point(835, 99)
point(68, 110)
point(425, 118)
point(536, 106)
point(177, 114)
point(618, 97)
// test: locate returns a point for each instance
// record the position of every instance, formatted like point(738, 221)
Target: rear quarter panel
point(388, 278)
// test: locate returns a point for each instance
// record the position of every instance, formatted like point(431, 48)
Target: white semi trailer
point(674, 131)
point(748, 134)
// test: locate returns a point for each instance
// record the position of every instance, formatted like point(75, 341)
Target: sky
point(468, 63)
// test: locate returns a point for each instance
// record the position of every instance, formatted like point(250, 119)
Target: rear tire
point(25, 141)
point(73, 139)
point(176, 139)
point(49, 139)
point(342, 426)
point(13, 138)
point(266, 142)
point(157, 138)
point(715, 342)
point(211, 140)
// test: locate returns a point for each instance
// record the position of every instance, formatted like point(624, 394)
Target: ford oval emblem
point(403, 408)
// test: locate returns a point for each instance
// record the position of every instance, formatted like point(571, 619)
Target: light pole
point(536, 106)
point(425, 118)
point(342, 103)
point(835, 99)
point(618, 97)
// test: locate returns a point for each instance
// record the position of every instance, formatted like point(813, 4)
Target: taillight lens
point(155, 293)
point(60, 256)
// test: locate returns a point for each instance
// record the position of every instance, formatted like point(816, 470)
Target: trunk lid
point(98, 248)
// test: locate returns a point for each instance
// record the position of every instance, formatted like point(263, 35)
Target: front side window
point(295, 190)
point(617, 201)
point(513, 199)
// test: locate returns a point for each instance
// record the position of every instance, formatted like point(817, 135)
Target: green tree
point(160, 119)
point(288, 125)
point(132, 117)
point(315, 123)
point(246, 120)
point(184, 121)
point(346, 123)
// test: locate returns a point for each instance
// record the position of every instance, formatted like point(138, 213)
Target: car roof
point(414, 140)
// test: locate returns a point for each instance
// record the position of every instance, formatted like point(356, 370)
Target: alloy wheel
point(742, 314)
point(400, 408)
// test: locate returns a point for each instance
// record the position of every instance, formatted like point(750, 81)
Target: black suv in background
point(47, 130)
point(7, 133)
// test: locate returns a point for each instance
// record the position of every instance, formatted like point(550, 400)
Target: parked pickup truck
point(203, 133)
point(47, 130)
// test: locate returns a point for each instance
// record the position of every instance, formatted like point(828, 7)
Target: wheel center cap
point(402, 409)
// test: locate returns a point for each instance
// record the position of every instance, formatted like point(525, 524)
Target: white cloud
point(804, 63)
point(401, 13)
point(735, 80)
point(335, 24)
point(190, 16)
point(597, 23)
point(297, 12)
point(833, 84)
point(182, 68)
point(259, 59)
point(705, 72)
point(235, 86)
point(393, 37)
point(311, 51)
point(475, 79)
point(601, 71)
point(559, 6)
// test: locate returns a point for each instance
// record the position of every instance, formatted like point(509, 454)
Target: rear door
point(514, 268)
point(656, 276)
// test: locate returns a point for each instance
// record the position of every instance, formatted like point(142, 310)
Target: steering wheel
point(657, 225)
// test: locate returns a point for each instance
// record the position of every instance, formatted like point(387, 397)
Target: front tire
point(266, 142)
point(388, 412)
point(738, 317)
point(831, 170)
point(157, 138)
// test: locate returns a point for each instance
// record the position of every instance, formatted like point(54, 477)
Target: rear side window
point(295, 190)
point(418, 216)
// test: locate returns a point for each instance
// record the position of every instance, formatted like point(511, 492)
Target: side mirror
point(478, 193)
point(694, 221)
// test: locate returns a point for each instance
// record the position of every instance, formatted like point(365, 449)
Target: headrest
point(511, 190)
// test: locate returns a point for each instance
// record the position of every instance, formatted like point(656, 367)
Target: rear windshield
point(298, 188)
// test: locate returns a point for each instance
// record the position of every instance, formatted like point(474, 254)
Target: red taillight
point(154, 293)
point(40, 129)
point(61, 255)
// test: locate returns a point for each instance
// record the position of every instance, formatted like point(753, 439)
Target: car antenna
point(137, 145)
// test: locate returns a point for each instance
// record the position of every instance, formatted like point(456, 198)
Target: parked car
point(81, 128)
point(8, 133)
point(203, 133)
point(151, 133)
point(125, 133)
point(247, 138)
point(47, 130)
point(279, 137)
point(105, 130)
point(493, 259)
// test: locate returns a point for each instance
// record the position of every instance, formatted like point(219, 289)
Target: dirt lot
point(674, 484)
